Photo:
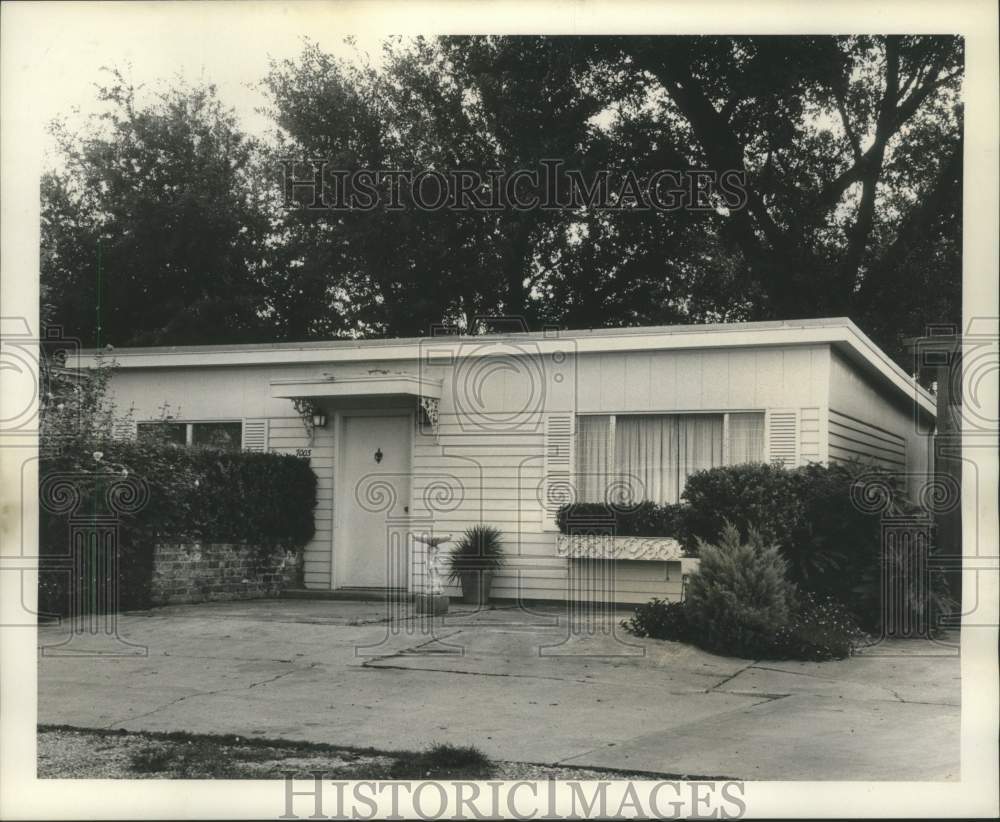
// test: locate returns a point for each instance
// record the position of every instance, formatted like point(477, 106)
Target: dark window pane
point(224, 435)
point(175, 432)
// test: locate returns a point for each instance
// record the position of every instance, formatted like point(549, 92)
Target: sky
point(229, 44)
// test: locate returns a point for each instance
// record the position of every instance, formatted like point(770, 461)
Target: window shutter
point(557, 479)
point(255, 433)
point(123, 428)
point(783, 437)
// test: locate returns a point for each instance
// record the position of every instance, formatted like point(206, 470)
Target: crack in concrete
point(227, 658)
point(376, 666)
point(671, 730)
point(895, 694)
point(410, 649)
point(730, 678)
point(180, 699)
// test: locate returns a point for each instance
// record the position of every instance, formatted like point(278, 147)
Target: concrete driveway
point(522, 686)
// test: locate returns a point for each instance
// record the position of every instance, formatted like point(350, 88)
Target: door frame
point(340, 485)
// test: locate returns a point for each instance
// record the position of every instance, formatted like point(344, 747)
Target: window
point(631, 457)
point(227, 436)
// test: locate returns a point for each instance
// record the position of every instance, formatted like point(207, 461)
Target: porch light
point(319, 419)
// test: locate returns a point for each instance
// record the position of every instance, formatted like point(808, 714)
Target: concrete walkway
point(522, 686)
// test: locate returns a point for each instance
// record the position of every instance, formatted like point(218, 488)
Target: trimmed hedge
point(203, 495)
point(645, 519)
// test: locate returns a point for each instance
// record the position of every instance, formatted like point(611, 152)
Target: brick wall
point(200, 572)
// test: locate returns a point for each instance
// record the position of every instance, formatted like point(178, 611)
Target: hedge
point(645, 519)
point(203, 494)
point(833, 548)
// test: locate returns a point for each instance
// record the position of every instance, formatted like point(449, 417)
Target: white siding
point(487, 461)
point(867, 422)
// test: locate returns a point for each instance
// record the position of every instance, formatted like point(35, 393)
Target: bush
point(740, 595)
point(644, 519)
point(205, 495)
point(833, 547)
point(820, 629)
point(480, 548)
point(659, 619)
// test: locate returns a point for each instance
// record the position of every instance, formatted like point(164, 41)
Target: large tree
point(851, 149)
point(154, 226)
point(850, 146)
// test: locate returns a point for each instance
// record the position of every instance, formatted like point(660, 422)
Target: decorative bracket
point(305, 408)
point(431, 409)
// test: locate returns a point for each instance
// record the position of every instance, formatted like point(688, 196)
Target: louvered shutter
point(255, 434)
point(783, 437)
point(557, 480)
point(123, 428)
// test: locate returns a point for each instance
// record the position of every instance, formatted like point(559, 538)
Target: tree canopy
point(171, 225)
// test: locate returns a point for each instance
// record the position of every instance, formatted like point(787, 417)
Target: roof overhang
point(838, 332)
point(361, 386)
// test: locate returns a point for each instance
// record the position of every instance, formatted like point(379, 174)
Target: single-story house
point(432, 435)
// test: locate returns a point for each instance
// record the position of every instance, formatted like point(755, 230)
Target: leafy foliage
point(740, 593)
point(480, 548)
point(661, 619)
point(644, 519)
point(832, 546)
point(171, 223)
point(821, 628)
point(202, 494)
point(154, 228)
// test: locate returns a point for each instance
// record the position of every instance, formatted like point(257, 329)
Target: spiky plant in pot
point(477, 556)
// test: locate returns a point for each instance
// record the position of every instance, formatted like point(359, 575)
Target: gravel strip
point(82, 754)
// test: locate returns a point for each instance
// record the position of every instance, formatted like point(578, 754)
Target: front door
point(373, 501)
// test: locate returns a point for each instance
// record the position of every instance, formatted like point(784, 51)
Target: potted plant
point(475, 559)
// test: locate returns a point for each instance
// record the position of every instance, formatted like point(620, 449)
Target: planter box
point(601, 546)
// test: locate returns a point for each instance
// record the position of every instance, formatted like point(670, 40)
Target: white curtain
point(592, 451)
point(655, 454)
point(746, 438)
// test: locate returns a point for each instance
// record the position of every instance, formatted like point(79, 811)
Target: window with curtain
point(633, 457)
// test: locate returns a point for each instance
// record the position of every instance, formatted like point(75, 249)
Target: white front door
point(373, 501)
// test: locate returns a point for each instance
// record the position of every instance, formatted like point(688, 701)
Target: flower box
point(605, 546)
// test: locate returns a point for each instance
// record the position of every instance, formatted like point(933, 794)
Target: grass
point(444, 762)
point(179, 755)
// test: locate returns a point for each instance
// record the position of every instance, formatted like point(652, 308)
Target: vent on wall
point(783, 438)
point(255, 435)
point(557, 480)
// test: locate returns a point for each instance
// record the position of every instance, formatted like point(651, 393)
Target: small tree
point(741, 594)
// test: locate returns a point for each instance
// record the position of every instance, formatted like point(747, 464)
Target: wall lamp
point(319, 419)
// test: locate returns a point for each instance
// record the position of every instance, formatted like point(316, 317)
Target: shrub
point(753, 495)
point(833, 547)
point(659, 619)
point(266, 500)
point(480, 548)
point(644, 519)
point(820, 629)
point(740, 595)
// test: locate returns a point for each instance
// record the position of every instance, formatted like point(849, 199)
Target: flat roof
point(839, 332)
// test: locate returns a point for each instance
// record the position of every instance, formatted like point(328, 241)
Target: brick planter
point(203, 572)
